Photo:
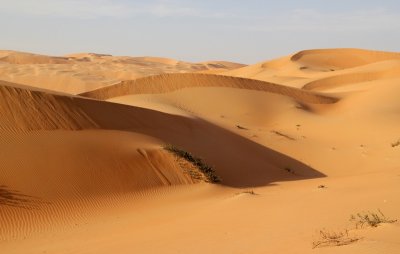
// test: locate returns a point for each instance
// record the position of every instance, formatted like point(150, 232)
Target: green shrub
point(207, 170)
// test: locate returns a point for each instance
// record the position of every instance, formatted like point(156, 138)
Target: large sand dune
point(300, 143)
point(172, 82)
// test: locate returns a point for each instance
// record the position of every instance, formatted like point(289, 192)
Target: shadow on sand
point(15, 199)
point(239, 161)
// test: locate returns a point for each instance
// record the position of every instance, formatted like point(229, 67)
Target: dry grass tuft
point(397, 143)
point(370, 219)
point(330, 238)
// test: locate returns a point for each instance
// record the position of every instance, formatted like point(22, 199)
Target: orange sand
point(314, 135)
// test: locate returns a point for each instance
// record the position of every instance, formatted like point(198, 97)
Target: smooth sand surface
point(301, 143)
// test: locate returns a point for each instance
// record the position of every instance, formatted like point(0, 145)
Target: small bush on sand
point(250, 192)
point(241, 127)
point(330, 238)
point(207, 170)
point(397, 143)
point(370, 219)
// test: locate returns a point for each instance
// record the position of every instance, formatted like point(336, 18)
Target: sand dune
point(117, 151)
point(301, 143)
point(341, 58)
point(171, 82)
point(374, 72)
point(312, 65)
point(14, 57)
point(77, 73)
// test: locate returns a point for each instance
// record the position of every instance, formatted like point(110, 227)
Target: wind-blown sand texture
point(301, 143)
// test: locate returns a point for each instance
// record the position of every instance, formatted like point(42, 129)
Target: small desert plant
point(207, 170)
point(397, 143)
point(241, 127)
point(370, 219)
point(289, 170)
point(283, 135)
point(251, 192)
point(330, 238)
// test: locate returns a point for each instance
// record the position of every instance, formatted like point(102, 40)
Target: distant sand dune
point(307, 66)
point(346, 79)
point(341, 58)
point(78, 73)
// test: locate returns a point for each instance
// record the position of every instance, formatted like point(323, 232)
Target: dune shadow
point(15, 199)
point(239, 161)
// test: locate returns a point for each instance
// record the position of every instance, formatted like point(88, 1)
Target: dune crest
point(171, 82)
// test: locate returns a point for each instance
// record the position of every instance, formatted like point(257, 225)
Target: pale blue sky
point(245, 31)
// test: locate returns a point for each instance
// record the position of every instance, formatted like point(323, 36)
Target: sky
point(246, 31)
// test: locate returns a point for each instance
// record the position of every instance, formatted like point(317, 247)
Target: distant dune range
point(300, 143)
point(77, 73)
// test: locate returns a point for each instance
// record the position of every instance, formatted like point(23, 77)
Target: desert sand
point(300, 144)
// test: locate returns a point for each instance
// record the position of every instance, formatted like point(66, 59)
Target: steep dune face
point(25, 110)
point(172, 82)
point(77, 73)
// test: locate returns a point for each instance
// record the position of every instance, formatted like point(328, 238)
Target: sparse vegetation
point(290, 170)
point(208, 171)
point(241, 127)
point(251, 192)
point(370, 219)
point(331, 238)
point(283, 135)
point(397, 143)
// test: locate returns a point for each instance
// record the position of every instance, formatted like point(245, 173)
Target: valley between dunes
point(300, 144)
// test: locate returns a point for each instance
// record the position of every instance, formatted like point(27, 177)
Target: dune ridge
point(171, 82)
point(368, 73)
